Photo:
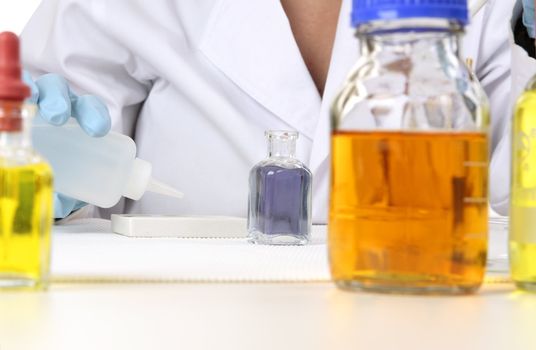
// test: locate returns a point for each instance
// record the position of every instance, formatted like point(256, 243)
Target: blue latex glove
point(528, 17)
point(56, 104)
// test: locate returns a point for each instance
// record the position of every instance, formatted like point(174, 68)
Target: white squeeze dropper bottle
point(98, 171)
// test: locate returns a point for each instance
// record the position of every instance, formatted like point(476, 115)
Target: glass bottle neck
point(15, 139)
point(278, 148)
point(434, 38)
point(15, 134)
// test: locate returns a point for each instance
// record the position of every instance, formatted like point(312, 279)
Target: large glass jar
point(409, 171)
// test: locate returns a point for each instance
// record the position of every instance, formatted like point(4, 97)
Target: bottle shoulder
point(22, 157)
point(531, 85)
point(281, 163)
point(405, 93)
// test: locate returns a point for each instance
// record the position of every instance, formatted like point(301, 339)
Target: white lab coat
point(196, 83)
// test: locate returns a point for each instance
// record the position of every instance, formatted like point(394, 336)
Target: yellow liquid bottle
point(25, 222)
point(523, 191)
point(25, 183)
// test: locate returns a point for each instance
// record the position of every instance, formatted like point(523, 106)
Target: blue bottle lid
point(365, 11)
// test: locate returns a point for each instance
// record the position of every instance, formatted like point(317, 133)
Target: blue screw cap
point(365, 11)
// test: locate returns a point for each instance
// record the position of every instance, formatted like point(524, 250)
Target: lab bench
point(114, 292)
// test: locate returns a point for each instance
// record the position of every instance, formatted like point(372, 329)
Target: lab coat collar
point(344, 55)
point(271, 68)
point(251, 42)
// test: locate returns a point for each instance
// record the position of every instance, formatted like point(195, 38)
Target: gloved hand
point(528, 17)
point(56, 103)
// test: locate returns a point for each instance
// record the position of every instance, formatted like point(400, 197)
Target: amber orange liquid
point(408, 211)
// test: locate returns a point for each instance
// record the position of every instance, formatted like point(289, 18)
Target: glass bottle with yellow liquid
point(523, 191)
point(25, 183)
point(409, 178)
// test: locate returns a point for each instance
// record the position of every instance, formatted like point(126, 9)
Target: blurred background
point(15, 13)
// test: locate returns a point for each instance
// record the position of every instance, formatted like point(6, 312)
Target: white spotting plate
point(179, 226)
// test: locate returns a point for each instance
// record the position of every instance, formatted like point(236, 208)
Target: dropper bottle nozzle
point(140, 181)
point(156, 186)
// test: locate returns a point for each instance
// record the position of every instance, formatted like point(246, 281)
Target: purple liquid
point(279, 201)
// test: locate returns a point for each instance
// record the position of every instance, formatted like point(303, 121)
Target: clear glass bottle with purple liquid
point(280, 194)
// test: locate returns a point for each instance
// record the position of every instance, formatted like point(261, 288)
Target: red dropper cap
point(12, 90)
point(11, 84)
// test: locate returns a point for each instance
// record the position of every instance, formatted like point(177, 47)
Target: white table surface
point(299, 315)
point(262, 316)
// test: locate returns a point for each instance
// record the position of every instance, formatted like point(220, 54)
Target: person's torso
point(224, 72)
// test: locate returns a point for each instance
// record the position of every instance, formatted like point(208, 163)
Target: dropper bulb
point(11, 85)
